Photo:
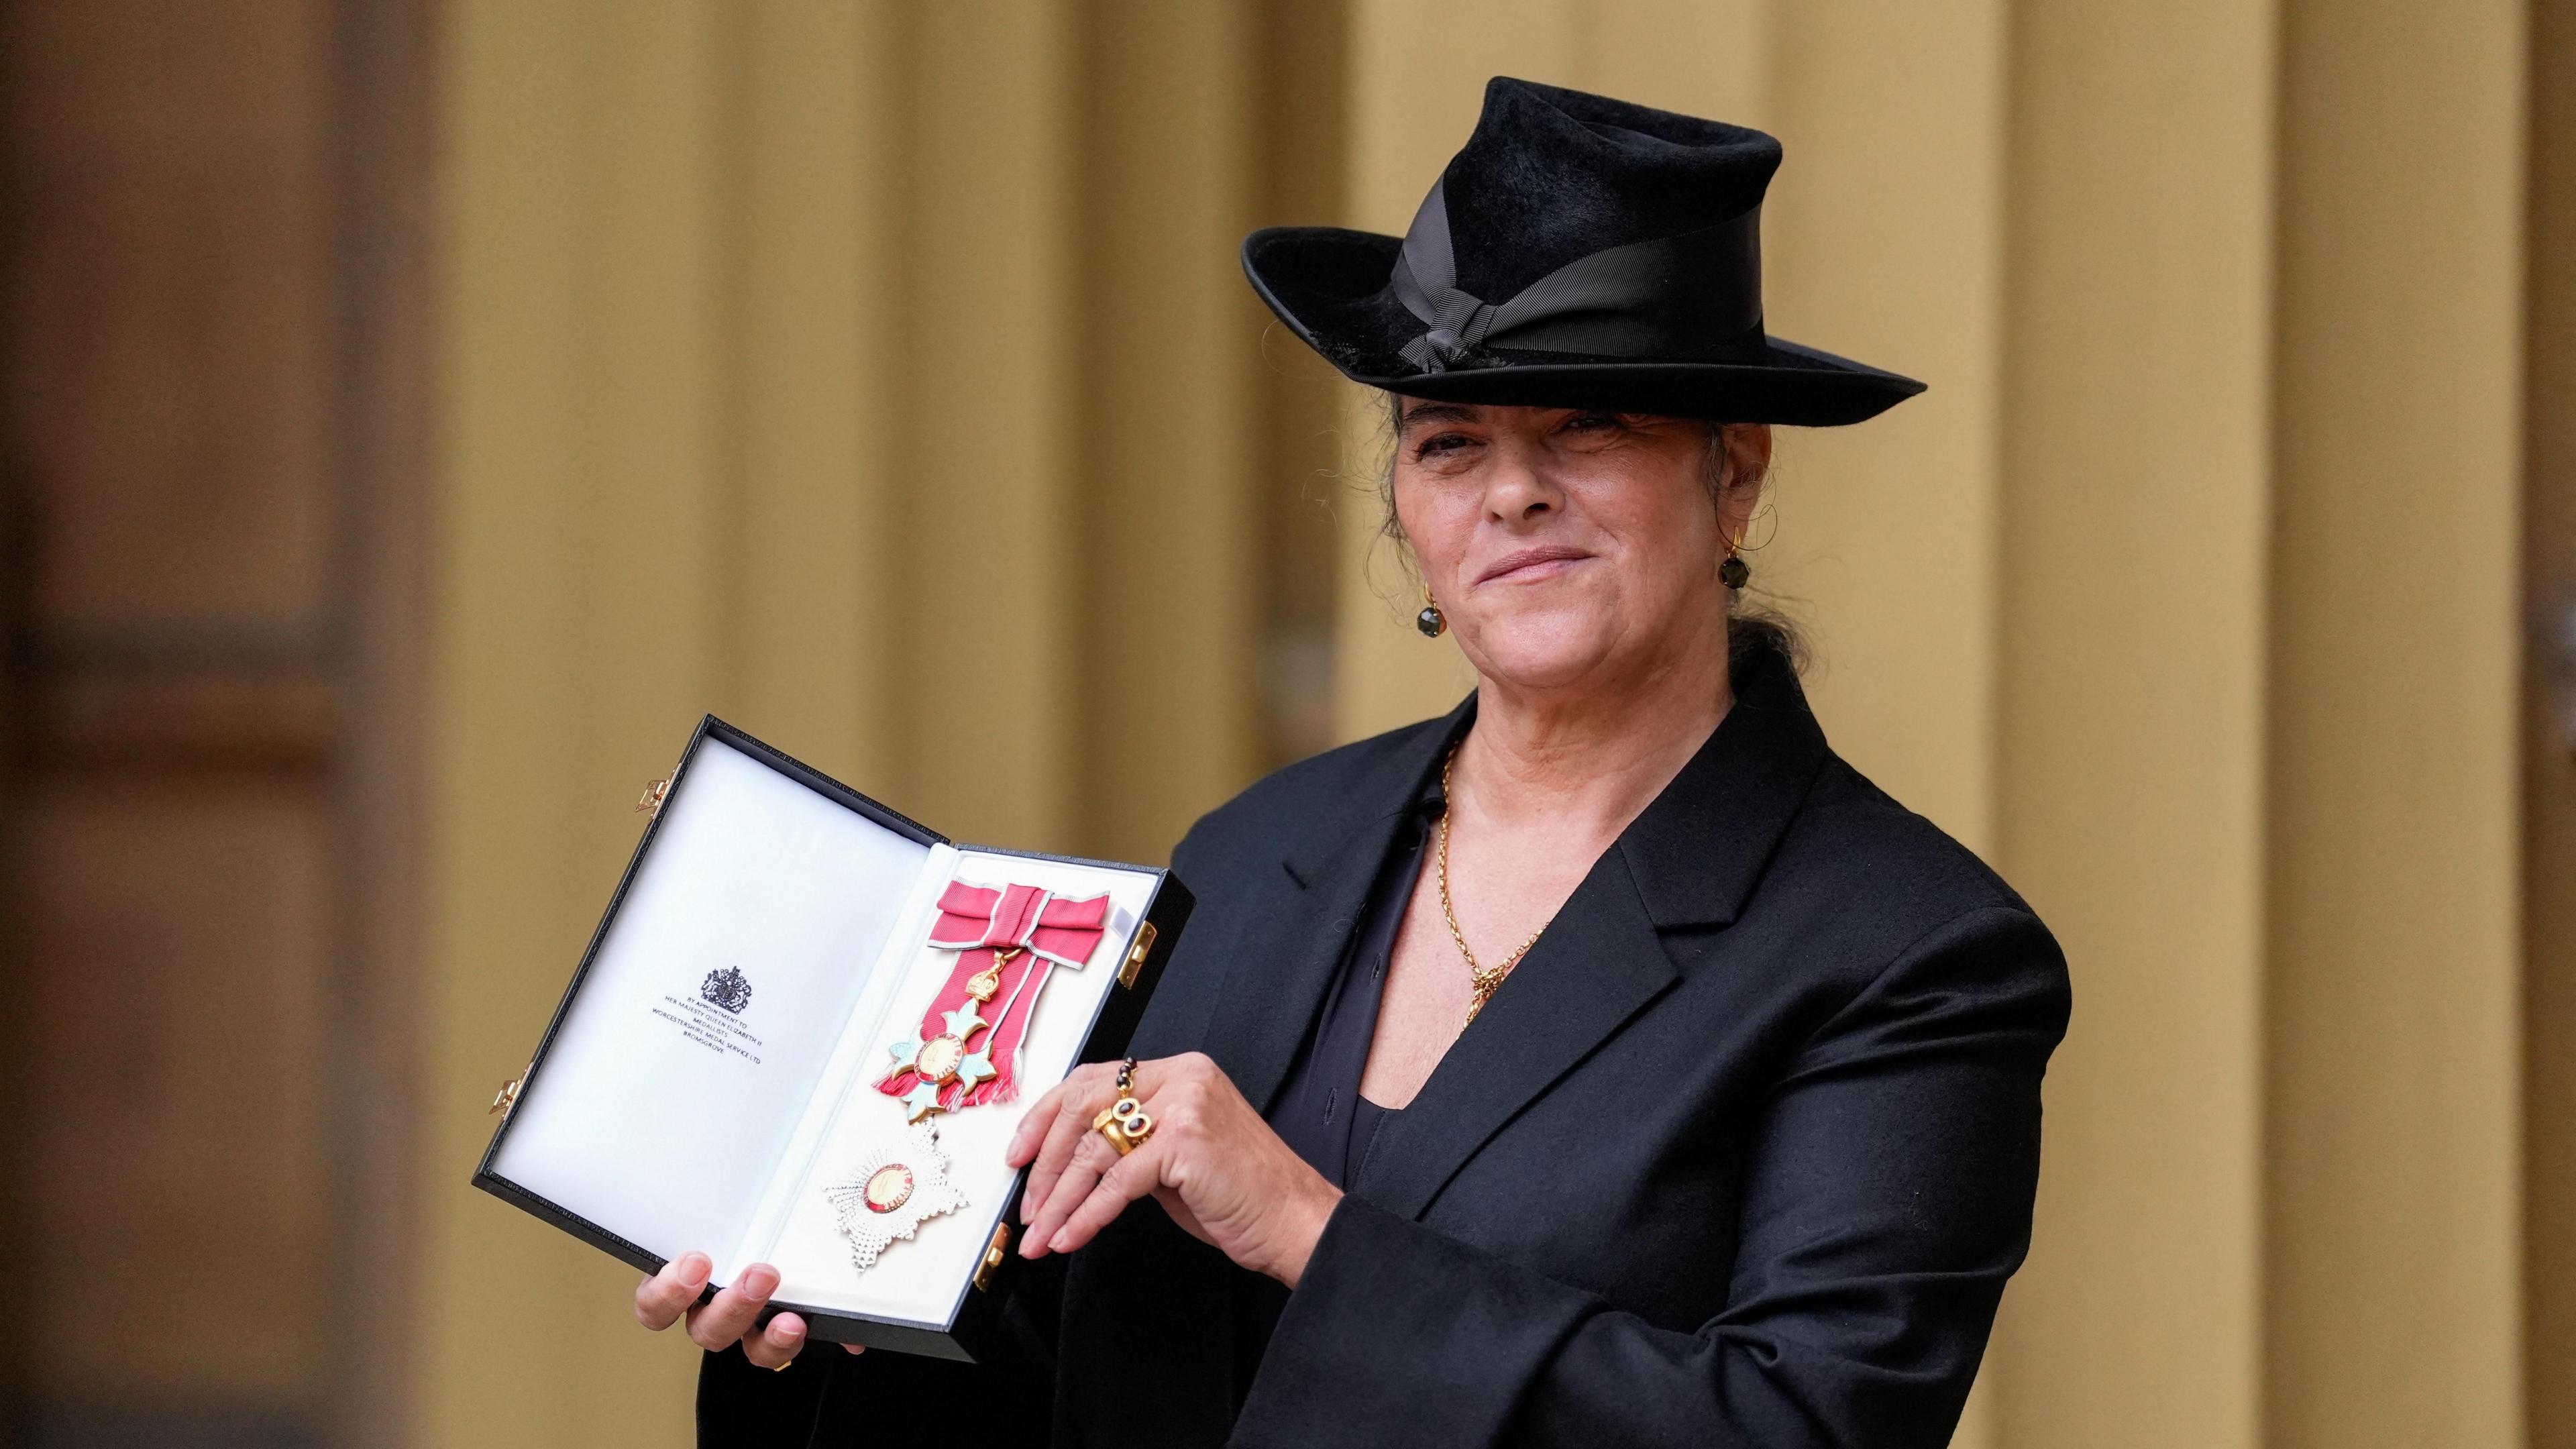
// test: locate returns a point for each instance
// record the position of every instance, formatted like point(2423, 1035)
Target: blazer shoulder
point(1890, 909)
point(1290, 800)
point(1853, 838)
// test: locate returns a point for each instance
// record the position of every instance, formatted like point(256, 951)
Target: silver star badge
point(891, 1192)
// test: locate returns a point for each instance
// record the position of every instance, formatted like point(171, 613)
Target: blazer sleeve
point(1888, 1197)
point(830, 1397)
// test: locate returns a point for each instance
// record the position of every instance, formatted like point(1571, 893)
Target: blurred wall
point(171, 522)
point(211, 221)
point(823, 364)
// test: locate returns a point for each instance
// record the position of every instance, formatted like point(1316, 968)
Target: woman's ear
point(1748, 468)
point(1748, 450)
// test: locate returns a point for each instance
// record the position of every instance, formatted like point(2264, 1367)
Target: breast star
point(872, 1226)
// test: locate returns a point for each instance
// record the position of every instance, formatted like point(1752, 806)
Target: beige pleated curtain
point(878, 376)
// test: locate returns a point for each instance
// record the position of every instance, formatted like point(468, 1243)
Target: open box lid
point(719, 1048)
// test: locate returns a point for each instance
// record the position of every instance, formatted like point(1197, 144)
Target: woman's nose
point(1519, 489)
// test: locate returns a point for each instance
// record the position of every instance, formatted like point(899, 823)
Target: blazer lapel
point(1689, 860)
point(1599, 963)
point(1286, 958)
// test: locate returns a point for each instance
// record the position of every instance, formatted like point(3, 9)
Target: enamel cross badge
point(1006, 939)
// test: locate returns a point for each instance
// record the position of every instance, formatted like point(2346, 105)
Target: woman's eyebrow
point(1441, 412)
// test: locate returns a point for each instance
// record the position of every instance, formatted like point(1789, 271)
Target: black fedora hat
point(1578, 252)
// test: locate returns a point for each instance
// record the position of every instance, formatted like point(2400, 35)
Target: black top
point(1320, 1111)
point(1742, 1154)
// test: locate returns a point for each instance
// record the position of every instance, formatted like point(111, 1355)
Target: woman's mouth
point(1531, 564)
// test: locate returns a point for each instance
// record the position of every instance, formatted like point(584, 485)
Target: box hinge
point(508, 1097)
point(1136, 955)
point(994, 1252)
point(654, 794)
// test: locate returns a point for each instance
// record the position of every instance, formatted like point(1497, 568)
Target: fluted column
point(584, 532)
point(813, 377)
point(991, 554)
point(2392, 1185)
point(2135, 435)
point(1170, 502)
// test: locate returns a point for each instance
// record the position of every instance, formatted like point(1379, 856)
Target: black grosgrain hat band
point(1697, 296)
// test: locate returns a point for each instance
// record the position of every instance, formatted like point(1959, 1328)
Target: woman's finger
point(1128, 1178)
point(774, 1344)
point(1026, 1137)
point(1083, 1095)
point(1090, 1159)
point(663, 1297)
point(715, 1326)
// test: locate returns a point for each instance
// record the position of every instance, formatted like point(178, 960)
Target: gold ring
point(1124, 1121)
point(1125, 1124)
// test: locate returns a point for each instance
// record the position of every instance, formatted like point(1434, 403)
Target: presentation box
point(802, 1035)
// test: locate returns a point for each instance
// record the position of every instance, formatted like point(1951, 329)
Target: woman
point(1605, 1062)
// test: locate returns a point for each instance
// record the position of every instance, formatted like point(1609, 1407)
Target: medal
point(1007, 939)
point(891, 1192)
point(939, 1060)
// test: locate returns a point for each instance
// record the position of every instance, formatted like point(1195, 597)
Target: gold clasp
point(508, 1097)
point(654, 793)
point(994, 1252)
point(1136, 955)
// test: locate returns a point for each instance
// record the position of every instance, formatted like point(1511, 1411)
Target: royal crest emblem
point(727, 988)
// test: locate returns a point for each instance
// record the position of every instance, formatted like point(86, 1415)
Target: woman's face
point(1570, 549)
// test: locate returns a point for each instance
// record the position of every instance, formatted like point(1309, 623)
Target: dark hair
point(1750, 627)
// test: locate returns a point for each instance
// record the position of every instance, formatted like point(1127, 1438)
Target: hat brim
point(1329, 284)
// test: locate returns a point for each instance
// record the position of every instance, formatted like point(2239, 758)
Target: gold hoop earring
point(1430, 621)
point(1744, 545)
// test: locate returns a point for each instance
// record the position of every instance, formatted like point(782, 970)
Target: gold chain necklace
point(1483, 980)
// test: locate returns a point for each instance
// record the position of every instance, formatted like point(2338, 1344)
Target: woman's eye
point(1591, 421)
point(1441, 443)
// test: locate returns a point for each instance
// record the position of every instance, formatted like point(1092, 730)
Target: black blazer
point(1742, 1154)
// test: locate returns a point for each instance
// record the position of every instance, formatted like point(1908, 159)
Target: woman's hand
point(667, 1296)
point(1210, 1160)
